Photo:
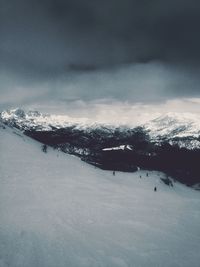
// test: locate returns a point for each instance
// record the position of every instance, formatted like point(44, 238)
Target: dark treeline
point(180, 163)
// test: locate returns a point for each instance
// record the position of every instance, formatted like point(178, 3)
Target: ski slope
point(57, 211)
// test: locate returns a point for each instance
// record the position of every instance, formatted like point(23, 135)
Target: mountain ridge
point(170, 144)
point(171, 127)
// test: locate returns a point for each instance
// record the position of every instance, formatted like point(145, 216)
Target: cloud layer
point(135, 51)
point(49, 35)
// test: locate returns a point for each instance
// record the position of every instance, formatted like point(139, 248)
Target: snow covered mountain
point(175, 125)
point(56, 210)
point(169, 143)
point(34, 120)
point(180, 129)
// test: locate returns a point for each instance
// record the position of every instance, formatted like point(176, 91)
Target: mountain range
point(169, 143)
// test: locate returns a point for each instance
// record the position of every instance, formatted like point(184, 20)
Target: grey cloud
point(42, 42)
point(55, 33)
point(145, 83)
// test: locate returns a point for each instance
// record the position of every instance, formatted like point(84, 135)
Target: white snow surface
point(121, 147)
point(57, 211)
point(175, 125)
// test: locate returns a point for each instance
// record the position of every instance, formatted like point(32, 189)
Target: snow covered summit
point(175, 125)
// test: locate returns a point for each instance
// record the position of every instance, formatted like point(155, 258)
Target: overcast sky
point(71, 50)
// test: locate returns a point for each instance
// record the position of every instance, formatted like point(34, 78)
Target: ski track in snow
point(57, 211)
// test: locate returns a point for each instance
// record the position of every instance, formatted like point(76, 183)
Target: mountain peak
point(175, 125)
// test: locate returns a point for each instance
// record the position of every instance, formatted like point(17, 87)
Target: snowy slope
point(58, 211)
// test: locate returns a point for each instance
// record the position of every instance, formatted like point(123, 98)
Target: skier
point(155, 189)
point(113, 173)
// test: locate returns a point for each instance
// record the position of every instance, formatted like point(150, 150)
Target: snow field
point(57, 211)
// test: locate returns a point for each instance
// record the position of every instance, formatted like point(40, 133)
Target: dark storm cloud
point(42, 41)
point(52, 34)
